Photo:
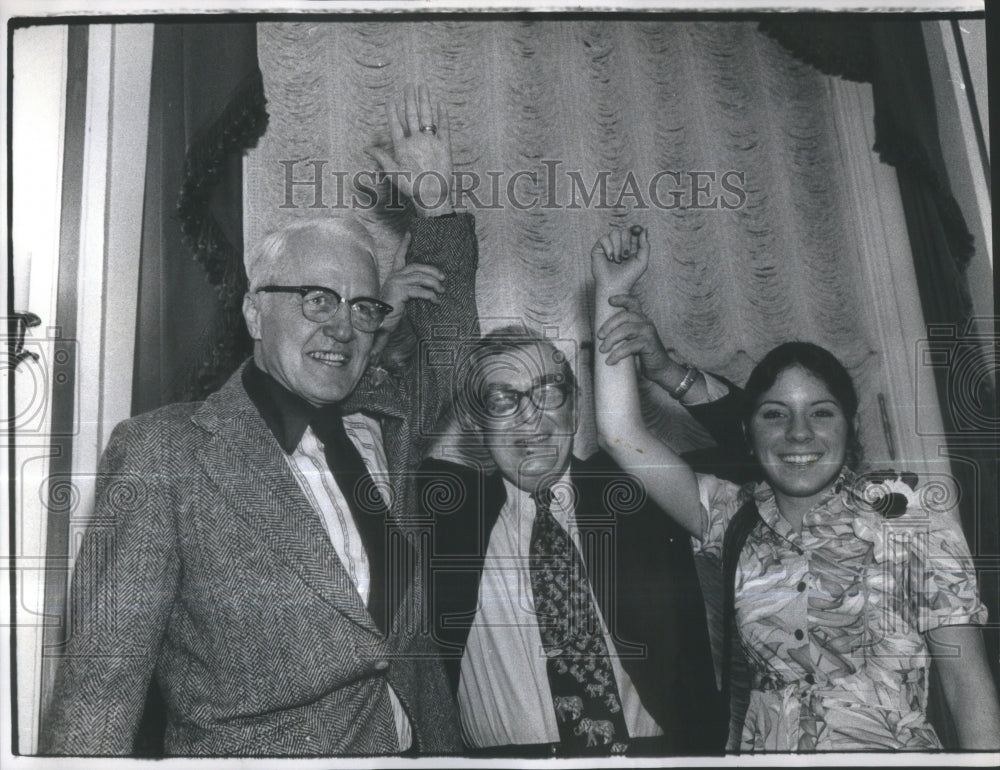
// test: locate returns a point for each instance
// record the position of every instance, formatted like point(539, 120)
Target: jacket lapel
point(594, 525)
point(598, 486)
point(246, 463)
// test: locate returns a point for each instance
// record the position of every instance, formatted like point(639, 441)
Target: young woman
point(841, 599)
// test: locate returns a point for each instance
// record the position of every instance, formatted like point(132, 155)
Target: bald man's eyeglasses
point(320, 305)
point(546, 394)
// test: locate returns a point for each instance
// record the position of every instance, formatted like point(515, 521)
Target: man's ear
point(251, 314)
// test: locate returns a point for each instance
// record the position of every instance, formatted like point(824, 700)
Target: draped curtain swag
point(208, 108)
point(891, 55)
point(211, 201)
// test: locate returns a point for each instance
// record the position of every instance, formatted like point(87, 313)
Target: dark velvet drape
point(206, 107)
point(891, 54)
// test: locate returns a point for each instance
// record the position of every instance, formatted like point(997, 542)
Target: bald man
point(253, 552)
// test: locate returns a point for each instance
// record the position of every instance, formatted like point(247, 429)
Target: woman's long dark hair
point(823, 365)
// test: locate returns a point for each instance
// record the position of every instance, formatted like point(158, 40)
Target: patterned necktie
point(363, 498)
point(584, 691)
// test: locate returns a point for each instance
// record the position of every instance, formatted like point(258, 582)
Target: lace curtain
point(693, 105)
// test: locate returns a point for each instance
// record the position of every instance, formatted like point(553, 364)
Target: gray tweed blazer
point(206, 567)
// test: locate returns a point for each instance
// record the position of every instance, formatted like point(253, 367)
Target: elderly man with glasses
point(566, 604)
point(255, 552)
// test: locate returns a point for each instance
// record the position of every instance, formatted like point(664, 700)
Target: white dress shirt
point(503, 691)
point(308, 464)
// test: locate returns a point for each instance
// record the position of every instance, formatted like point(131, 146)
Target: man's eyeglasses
point(547, 394)
point(320, 304)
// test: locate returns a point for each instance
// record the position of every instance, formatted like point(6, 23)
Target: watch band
point(685, 385)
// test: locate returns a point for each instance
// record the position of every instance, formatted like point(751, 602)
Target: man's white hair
point(263, 264)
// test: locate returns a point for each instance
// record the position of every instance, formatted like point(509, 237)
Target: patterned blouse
point(832, 618)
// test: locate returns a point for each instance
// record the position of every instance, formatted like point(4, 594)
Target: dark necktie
point(365, 501)
point(584, 691)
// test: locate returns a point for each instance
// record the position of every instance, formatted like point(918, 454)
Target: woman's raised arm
point(668, 480)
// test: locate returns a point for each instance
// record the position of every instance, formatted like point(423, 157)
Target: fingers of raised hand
point(626, 301)
point(416, 291)
point(619, 318)
point(423, 275)
point(412, 281)
point(642, 256)
point(401, 293)
point(416, 111)
point(616, 242)
point(411, 109)
point(421, 267)
point(631, 330)
point(425, 107)
point(644, 244)
point(635, 243)
point(623, 349)
point(608, 245)
point(443, 123)
point(598, 257)
point(385, 161)
point(396, 127)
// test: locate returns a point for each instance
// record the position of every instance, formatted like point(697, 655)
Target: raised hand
point(420, 164)
point(613, 264)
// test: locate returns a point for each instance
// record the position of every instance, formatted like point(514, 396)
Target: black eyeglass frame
point(303, 291)
point(553, 380)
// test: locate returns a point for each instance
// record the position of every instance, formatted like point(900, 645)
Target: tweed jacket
point(644, 581)
point(206, 567)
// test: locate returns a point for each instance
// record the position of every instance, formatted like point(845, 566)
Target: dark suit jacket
point(206, 566)
point(644, 581)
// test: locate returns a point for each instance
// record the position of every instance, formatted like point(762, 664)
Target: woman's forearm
point(622, 433)
point(616, 393)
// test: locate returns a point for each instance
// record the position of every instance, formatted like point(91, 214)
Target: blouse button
point(799, 634)
point(810, 679)
point(801, 586)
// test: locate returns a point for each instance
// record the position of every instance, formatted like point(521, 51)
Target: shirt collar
point(286, 414)
point(769, 513)
point(521, 504)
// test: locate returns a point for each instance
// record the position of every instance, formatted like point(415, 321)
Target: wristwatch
point(685, 385)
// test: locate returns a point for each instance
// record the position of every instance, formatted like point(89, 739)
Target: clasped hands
point(617, 265)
